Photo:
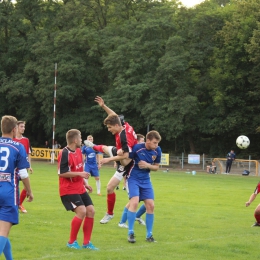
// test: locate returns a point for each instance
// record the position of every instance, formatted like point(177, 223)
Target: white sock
point(98, 184)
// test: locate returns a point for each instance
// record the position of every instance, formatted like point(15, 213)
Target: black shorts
point(72, 201)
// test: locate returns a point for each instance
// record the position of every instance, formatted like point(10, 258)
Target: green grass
point(200, 216)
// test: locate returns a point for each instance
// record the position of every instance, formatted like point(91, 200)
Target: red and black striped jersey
point(126, 139)
point(70, 161)
point(257, 189)
point(26, 143)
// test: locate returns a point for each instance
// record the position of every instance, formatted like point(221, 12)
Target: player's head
point(20, 127)
point(140, 138)
point(152, 140)
point(73, 136)
point(113, 124)
point(9, 125)
point(90, 138)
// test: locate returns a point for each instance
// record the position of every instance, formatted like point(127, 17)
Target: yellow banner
point(43, 153)
point(164, 159)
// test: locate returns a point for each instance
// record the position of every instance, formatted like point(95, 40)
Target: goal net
point(238, 166)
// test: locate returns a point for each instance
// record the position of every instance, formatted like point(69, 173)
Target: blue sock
point(131, 221)
point(149, 224)
point(2, 243)
point(8, 250)
point(124, 216)
point(141, 211)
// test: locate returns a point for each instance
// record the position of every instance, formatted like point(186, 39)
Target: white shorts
point(118, 175)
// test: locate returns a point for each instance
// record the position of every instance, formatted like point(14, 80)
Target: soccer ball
point(242, 142)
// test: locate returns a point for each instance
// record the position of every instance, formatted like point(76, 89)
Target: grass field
point(200, 216)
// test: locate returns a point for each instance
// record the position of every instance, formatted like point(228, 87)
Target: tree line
point(190, 73)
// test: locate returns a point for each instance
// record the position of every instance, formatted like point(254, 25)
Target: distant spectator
point(46, 145)
point(57, 145)
point(231, 156)
point(211, 168)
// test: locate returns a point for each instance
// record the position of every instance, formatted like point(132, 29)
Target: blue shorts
point(142, 189)
point(93, 170)
point(9, 214)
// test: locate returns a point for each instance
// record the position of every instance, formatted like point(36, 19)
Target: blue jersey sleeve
point(22, 158)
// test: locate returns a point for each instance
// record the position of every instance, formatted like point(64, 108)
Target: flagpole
point(54, 114)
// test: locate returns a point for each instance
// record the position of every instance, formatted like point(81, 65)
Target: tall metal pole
point(54, 114)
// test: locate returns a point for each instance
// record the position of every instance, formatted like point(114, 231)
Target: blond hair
point(8, 123)
point(71, 135)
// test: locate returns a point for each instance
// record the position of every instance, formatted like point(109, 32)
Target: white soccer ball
point(242, 142)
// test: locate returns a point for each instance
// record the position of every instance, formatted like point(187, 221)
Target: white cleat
point(106, 219)
point(88, 143)
point(122, 225)
point(140, 221)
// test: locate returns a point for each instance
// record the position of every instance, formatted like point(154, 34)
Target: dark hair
point(153, 135)
point(21, 122)
point(112, 120)
point(139, 136)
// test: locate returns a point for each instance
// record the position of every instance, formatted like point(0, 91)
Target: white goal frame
point(238, 166)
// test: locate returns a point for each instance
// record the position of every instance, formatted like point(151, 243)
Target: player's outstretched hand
point(30, 170)
point(247, 204)
point(29, 195)
point(100, 101)
point(120, 152)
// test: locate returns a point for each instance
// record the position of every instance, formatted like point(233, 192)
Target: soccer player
point(231, 156)
point(26, 143)
point(72, 189)
point(92, 164)
point(125, 139)
point(142, 209)
point(13, 157)
point(146, 157)
point(257, 210)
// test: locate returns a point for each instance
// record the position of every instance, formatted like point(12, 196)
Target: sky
point(190, 3)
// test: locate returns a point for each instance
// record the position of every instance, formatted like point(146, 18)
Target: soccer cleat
point(117, 187)
point(22, 208)
point(122, 225)
point(74, 245)
point(124, 188)
point(99, 194)
point(88, 143)
point(90, 246)
point(151, 239)
point(106, 218)
point(131, 238)
point(140, 221)
point(256, 225)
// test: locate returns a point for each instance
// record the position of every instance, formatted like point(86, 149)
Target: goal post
point(238, 166)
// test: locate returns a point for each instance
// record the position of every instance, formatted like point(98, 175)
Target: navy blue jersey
point(140, 153)
point(91, 158)
point(231, 156)
point(12, 157)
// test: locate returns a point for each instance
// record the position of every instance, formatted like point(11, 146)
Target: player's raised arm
point(101, 103)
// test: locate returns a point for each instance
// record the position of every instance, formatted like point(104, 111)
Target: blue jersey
point(90, 155)
point(12, 157)
point(140, 153)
